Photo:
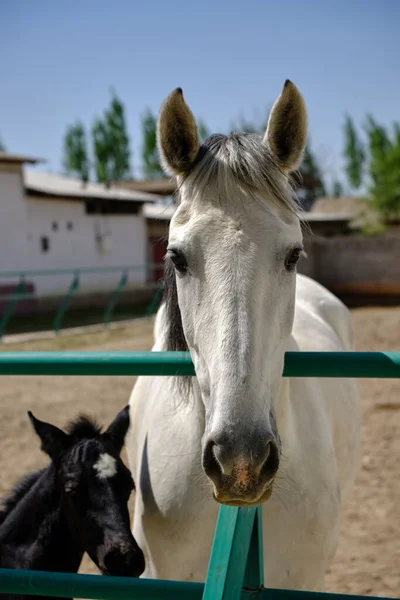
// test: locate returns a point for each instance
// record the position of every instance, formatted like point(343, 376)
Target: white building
point(51, 222)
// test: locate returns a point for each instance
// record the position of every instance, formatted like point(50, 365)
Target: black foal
point(77, 504)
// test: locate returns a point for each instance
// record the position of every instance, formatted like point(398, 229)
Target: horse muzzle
point(242, 475)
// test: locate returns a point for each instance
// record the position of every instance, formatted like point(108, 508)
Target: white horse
point(238, 433)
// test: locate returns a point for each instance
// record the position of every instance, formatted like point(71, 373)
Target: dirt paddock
point(368, 558)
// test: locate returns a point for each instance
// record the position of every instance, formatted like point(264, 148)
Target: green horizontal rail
point(72, 270)
point(272, 594)
point(297, 364)
point(22, 296)
point(68, 585)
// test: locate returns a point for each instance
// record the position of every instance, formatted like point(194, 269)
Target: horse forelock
point(239, 160)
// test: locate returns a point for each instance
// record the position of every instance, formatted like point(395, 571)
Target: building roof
point(342, 206)
point(47, 184)
point(314, 217)
point(161, 212)
point(164, 187)
point(8, 157)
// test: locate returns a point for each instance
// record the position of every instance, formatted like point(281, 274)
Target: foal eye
point(70, 487)
point(292, 259)
point(177, 259)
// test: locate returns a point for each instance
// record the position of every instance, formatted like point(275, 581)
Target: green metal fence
point(76, 277)
point(236, 564)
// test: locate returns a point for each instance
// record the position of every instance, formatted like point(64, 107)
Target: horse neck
point(38, 526)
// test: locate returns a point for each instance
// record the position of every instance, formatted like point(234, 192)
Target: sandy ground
point(368, 558)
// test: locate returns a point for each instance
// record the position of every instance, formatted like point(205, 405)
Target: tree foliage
point(101, 150)
point(337, 189)
point(354, 154)
point(76, 160)
point(375, 163)
point(111, 144)
point(2, 146)
point(311, 167)
point(151, 166)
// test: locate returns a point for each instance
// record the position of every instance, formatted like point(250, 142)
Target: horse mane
point(176, 341)
point(18, 492)
point(226, 162)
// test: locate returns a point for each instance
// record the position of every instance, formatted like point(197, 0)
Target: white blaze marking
point(106, 466)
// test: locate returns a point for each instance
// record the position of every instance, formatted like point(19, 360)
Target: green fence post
point(11, 305)
point(114, 297)
point(151, 309)
point(74, 285)
point(229, 553)
point(254, 575)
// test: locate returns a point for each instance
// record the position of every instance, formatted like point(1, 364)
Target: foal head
point(95, 486)
point(234, 243)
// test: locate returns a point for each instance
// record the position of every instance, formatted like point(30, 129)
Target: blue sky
point(59, 59)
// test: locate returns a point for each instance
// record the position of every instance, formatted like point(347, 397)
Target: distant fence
point(20, 296)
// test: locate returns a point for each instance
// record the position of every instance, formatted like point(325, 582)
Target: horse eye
point(177, 259)
point(292, 259)
point(70, 487)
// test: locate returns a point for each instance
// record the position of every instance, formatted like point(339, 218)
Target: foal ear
point(177, 134)
point(54, 441)
point(286, 134)
point(117, 430)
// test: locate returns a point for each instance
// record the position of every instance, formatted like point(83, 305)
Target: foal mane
point(83, 427)
point(18, 492)
point(225, 162)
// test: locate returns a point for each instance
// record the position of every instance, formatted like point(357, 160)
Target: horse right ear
point(54, 441)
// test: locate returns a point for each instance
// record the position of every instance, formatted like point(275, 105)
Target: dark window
point(112, 207)
point(70, 226)
point(54, 226)
point(44, 244)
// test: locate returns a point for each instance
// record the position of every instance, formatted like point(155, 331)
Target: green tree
point(76, 161)
point(337, 189)
point(151, 166)
point(376, 164)
point(384, 168)
point(118, 140)
point(101, 150)
point(354, 154)
point(111, 144)
point(2, 146)
point(311, 167)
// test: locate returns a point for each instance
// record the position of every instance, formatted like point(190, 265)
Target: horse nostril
point(270, 465)
point(211, 465)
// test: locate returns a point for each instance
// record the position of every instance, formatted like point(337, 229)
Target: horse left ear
point(117, 431)
point(286, 134)
point(54, 441)
point(177, 134)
